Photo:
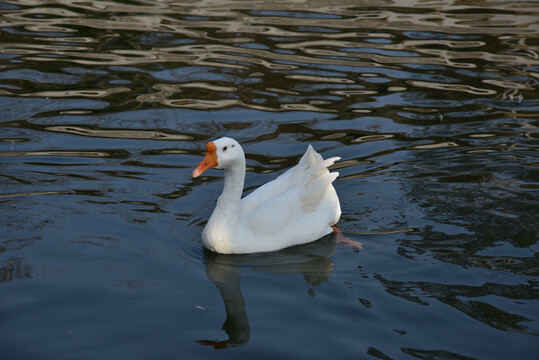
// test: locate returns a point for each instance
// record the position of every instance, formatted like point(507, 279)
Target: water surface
point(107, 106)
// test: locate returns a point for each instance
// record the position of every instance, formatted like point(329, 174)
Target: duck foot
point(356, 245)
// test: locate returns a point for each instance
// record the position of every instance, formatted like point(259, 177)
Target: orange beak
point(209, 161)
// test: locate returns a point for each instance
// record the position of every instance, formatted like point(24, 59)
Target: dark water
point(106, 107)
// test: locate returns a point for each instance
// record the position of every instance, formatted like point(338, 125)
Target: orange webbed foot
point(356, 245)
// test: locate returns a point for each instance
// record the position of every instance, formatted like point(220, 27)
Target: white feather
point(298, 207)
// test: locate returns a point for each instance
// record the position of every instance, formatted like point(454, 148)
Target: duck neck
point(226, 213)
point(234, 179)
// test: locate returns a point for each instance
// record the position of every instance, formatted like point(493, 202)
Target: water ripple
point(431, 105)
point(119, 134)
point(274, 40)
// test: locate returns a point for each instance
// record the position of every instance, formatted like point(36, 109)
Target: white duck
point(298, 207)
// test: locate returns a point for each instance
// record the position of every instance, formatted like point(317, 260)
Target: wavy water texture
point(211, 54)
point(105, 110)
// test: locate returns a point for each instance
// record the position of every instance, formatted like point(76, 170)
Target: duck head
point(220, 154)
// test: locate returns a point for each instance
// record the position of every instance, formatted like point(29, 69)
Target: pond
point(106, 109)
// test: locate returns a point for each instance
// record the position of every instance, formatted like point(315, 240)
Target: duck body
point(298, 207)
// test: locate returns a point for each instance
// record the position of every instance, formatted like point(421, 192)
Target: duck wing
point(299, 206)
point(310, 165)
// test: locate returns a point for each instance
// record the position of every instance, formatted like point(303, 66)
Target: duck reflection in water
point(312, 260)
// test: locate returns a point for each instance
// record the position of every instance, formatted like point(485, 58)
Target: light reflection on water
point(106, 107)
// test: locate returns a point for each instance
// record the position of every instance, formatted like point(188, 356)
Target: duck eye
point(224, 149)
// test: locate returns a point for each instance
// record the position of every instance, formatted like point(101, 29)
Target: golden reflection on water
point(435, 146)
point(54, 153)
point(464, 88)
point(119, 134)
point(282, 46)
point(90, 93)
